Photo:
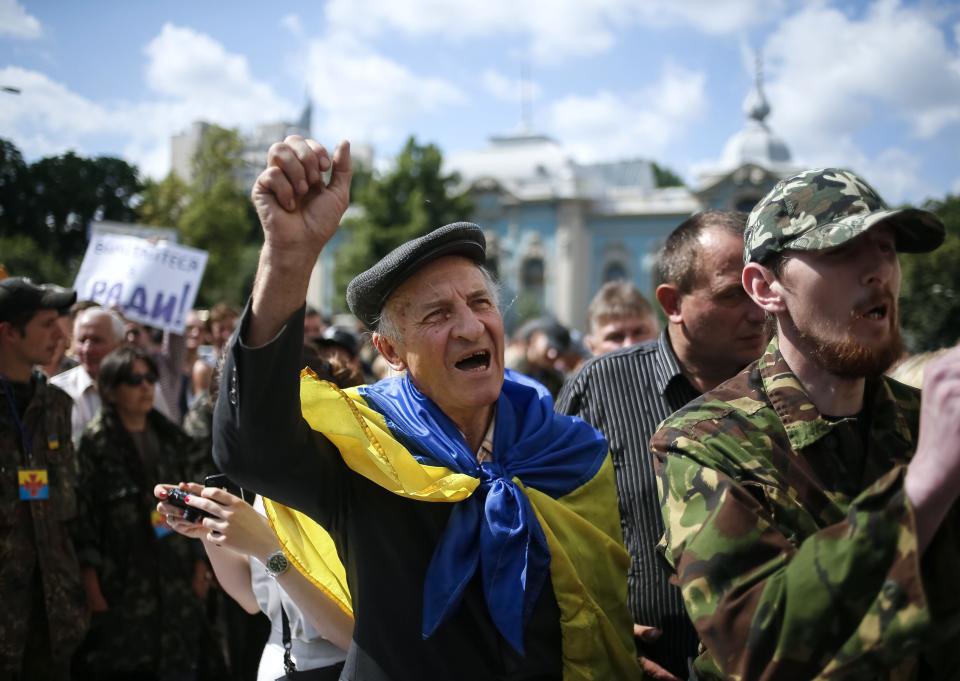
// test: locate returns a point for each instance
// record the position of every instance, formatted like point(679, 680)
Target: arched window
point(531, 277)
point(615, 271)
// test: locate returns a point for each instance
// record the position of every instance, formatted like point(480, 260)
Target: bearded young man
point(477, 529)
point(809, 501)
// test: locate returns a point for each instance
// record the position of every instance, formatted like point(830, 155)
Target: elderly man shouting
point(478, 530)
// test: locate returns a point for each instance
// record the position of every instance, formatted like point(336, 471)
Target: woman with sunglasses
point(144, 582)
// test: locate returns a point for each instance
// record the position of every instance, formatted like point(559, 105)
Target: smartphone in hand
point(223, 482)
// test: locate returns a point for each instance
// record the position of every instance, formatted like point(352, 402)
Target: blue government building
point(557, 230)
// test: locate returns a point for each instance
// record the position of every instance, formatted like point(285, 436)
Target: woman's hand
point(234, 525)
point(174, 514)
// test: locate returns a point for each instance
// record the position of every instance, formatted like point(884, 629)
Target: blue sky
point(874, 86)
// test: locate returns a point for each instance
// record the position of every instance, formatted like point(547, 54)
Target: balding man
point(96, 333)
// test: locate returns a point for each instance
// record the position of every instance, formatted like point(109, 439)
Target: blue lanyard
point(26, 439)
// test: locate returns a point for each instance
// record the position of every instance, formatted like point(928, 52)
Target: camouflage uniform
point(790, 533)
point(38, 564)
point(198, 421)
point(792, 538)
point(154, 621)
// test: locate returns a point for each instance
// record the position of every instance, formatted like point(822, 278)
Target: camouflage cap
point(821, 208)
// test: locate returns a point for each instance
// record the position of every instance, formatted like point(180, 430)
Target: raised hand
point(299, 212)
point(933, 477)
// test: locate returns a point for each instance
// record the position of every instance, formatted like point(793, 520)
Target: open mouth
point(475, 361)
point(877, 312)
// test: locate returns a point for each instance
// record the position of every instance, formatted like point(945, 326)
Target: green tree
point(21, 256)
point(15, 191)
point(52, 202)
point(930, 299)
point(664, 177)
point(217, 217)
point(163, 203)
point(409, 200)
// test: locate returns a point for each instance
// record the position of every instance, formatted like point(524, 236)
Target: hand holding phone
point(177, 497)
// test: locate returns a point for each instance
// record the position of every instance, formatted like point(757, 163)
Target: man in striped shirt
point(713, 331)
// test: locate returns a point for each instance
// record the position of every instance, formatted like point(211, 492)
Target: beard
point(845, 356)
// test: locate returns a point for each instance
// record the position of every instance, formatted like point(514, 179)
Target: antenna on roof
point(756, 105)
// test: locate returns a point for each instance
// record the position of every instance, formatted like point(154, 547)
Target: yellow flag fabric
point(588, 564)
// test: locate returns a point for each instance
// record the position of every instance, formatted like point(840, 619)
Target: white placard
point(151, 283)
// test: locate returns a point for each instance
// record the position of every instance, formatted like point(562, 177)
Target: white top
point(309, 649)
point(78, 384)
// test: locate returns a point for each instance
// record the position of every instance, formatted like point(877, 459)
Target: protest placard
point(153, 283)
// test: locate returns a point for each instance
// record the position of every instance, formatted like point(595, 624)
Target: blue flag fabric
point(496, 529)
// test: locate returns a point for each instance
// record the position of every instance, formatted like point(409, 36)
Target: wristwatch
point(276, 564)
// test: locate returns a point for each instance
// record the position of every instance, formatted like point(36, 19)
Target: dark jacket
point(154, 619)
point(36, 543)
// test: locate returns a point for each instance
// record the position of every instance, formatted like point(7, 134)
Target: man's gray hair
point(117, 324)
point(388, 327)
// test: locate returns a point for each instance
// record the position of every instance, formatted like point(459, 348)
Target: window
point(615, 271)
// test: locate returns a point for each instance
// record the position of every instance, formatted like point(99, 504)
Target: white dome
point(756, 144)
point(523, 163)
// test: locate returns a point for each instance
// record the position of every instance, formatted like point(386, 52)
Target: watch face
point(277, 563)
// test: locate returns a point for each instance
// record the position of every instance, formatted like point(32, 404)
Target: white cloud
point(292, 24)
point(363, 95)
point(709, 16)
point(15, 21)
point(194, 78)
point(47, 110)
point(556, 29)
point(892, 60)
point(192, 68)
point(613, 125)
point(894, 173)
point(508, 89)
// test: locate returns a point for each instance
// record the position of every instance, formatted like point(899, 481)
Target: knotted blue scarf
point(496, 528)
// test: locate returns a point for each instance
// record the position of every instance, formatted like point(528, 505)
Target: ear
point(390, 352)
point(669, 298)
point(761, 285)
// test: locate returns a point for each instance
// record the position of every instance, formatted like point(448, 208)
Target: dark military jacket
point(36, 544)
point(793, 540)
point(155, 620)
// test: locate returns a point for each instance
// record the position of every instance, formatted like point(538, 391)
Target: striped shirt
point(625, 395)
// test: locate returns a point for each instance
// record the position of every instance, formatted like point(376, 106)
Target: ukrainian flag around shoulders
point(549, 491)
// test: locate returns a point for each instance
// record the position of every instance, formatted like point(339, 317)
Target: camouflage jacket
point(36, 543)
point(154, 619)
point(793, 541)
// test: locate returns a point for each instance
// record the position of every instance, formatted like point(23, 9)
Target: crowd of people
point(726, 487)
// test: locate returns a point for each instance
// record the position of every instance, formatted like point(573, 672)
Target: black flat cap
point(369, 290)
point(19, 295)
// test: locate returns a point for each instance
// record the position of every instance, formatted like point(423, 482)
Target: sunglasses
point(137, 379)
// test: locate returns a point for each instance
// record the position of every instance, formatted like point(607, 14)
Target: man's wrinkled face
point(723, 326)
point(93, 340)
point(843, 304)
point(451, 335)
point(620, 332)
